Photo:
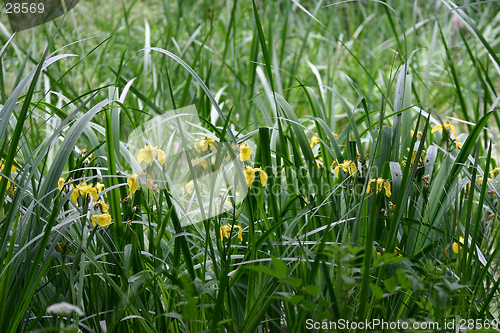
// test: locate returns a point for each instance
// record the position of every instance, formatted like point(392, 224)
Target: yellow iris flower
point(147, 154)
point(60, 183)
point(348, 166)
point(102, 219)
point(480, 180)
point(315, 139)
point(85, 190)
point(104, 207)
point(379, 185)
point(444, 127)
point(201, 145)
point(202, 162)
point(419, 133)
point(225, 231)
point(189, 187)
point(492, 172)
point(133, 182)
point(12, 170)
point(245, 152)
point(249, 175)
point(263, 176)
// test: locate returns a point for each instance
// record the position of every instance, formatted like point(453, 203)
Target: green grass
point(420, 246)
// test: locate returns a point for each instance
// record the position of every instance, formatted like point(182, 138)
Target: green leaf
point(377, 291)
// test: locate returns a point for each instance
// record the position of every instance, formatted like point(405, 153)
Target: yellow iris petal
point(263, 176)
point(314, 140)
point(60, 183)
point(103, 220)
point(225, 231)
point(146, 154)
point(492, 172)
point(249, 175)
point(387, 188)
point(161, 156)
point(189, 187)
point(245, 152)
point(93, 192)
point(133, 182)
point(368, 187)
point(104, 207)
point(74, 195)
point(436, 128)
point(204, 164)
point(99, 187)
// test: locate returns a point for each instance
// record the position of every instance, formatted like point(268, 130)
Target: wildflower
point(314, 140)
point(133, 182)
point(100, 187)
point(249, 175)
point(104, 207)
point(200, 145)
point(480, 180)
point(319, 160)
point(396, 252)
point(455, 247)
point(347, 166)
point(245, 152)
point(103, 220)
point(161, 156)
point(263, 176)
point(414, 157)
point(379, 185)
point(147, 154)
point(444, 127)
point(202, 162)
point(12, 170)
point(60, 183)
point(225, 231)
point(189, 187)
point(458, 144)
point(211, 143)
point(419, 133)
point(74, 195)
point(85, 190)
point(492, 172)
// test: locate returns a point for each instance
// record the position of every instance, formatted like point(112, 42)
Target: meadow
point(366, 139)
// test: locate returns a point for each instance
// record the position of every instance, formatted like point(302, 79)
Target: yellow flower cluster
point(315, 139)
point(419, 133)
point(379, 185)
point(249, 173)
point(225, 231)
point(147, 154)
point(480, 180)
point(88, 190)
point(448, 127)
point(396, 252)
point(203, 145)
point(12, 170)
point(348, 166)
point(444, 127)
point(413, 157)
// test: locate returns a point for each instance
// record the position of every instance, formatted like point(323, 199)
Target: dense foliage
point(368, 132)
